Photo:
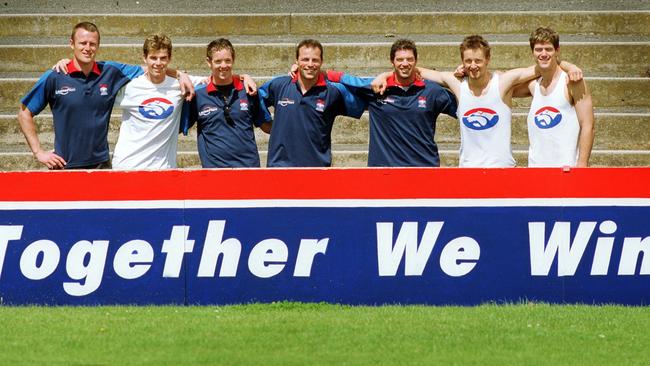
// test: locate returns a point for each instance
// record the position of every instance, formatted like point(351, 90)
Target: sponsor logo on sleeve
point(65, 90)
point(285, 102)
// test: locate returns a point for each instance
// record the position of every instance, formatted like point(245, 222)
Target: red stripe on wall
point(361, 183)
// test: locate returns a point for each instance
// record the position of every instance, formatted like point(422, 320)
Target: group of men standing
point(403, 106)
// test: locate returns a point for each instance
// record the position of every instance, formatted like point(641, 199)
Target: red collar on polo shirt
point(391, 81)
point(320, 82)
point(72, 68)
point(236, 83)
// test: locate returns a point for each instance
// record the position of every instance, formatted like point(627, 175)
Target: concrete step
point(614, 94)
point(471, 22)
point(614, 131)
point(359, 158)
point(307, 6)
point(630, 59)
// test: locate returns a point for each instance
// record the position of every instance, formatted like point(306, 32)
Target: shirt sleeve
point(266, 99)
point(37, 98)
point(447, 102)
point(256, 112)
point(188, 116)
point(354, 105)
point(129, 71)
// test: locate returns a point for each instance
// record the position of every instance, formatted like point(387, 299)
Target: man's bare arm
point(28, 127)
point(585, 111)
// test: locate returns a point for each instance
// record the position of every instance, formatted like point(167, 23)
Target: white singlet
point(484, 128)
point(553, 127)
point(150, 120)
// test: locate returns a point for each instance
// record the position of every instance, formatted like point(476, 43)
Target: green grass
point(298, 334)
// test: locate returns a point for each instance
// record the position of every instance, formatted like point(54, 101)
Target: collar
point(320, 82)
point(236, 83)
point(72, 68)
point(392, 82)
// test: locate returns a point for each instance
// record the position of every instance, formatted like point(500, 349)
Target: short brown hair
point(403, 44)
point(542, 35)
point(88, 26)
point(218, 45)
point(157, 42)
point(475, 42)
point(309, 43)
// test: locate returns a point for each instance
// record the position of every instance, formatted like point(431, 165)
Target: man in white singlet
point(484, 103)
point(561, 117)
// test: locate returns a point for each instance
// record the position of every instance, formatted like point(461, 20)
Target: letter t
point(176, 247)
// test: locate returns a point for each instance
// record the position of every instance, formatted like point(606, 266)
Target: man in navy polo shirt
point(81, 102)
point(403, 119)
point(305, 108)
point(226, 115)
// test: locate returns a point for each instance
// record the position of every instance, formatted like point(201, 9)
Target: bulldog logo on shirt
point(320, 105)
point(480, 118)
point(547, 117)
point(103, 89)
point(156, 108)
point(243, 104)
point(422, 102)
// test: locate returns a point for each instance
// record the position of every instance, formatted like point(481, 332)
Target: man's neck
point(305, 85)
point(549, 74)
point(404, 81)
point(86, 68)
point(480, 83)
point(221, 82)
point(156, 79)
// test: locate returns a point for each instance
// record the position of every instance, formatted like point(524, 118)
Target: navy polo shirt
point(81, 106)
point(222, 144)
point(301, 134)
point(403, 120)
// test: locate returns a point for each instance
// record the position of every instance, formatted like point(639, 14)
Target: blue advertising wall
point(411, 237)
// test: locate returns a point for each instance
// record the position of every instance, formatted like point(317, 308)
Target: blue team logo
point(480, 119)
point(156, 108)
point(320, 105)
point(547, 117)
point(243, 105)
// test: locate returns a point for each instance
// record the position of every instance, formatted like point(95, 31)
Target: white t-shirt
point(553, 127)
point(151, 113)
point(485, 128)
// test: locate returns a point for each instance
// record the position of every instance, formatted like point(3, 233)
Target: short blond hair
point(543, 35)
point(157, 42)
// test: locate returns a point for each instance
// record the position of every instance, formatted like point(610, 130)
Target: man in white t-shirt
point(151, 105)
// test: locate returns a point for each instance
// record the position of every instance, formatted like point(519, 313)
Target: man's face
point(475, 63)
point(84, 45)
point(404, 64)
point(221, 65)
point(545, 54)
point(157, 62)
point(309, 62)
